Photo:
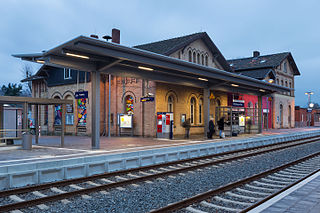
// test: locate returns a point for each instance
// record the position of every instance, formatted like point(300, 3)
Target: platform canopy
point(90, 54)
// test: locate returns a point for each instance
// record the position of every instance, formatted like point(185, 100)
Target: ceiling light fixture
point(40, 61)
point(78, 56)
point(261, 90)
point(145, 68)
point(234, 85)
point(203, 79)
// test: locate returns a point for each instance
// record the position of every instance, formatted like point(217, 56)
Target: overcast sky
point(236, 27)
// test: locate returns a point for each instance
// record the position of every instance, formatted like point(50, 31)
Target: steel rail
point(38, 201)
point(200, 197)
point(122, 172)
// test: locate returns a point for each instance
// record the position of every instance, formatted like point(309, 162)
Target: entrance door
point(265, 120)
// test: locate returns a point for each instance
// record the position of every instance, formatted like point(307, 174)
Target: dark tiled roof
point(264, 61)
point(258, 62)
point(258, 73)
point(169, 46)
point(166, 47)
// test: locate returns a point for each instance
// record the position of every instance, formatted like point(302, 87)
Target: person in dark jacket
point(211, 129)
point(186, 125)
point(221, 126)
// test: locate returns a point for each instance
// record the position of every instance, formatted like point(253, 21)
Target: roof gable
point(265, 61)
point(258, 74)
point(169, 46)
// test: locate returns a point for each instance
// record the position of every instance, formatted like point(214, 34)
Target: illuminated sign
point(242, 120)
point(238, 103)
point(125, 121)
point(146, 99)
point(79, 95)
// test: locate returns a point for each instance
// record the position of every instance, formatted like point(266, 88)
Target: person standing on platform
point(221, 126)
point(211, 129)
point(187, 125)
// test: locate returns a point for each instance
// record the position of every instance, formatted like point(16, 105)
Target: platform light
point(203, 79)
point(270, 81)
point(234, 85)
point(145, 68)
point(78, 56)
point(261, 90)
point(40, 61)
point(308, 93)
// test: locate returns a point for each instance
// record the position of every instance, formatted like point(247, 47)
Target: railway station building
point(146, 90)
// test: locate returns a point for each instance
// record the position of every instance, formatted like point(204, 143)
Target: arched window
point(129, 104)
point(289, 116)
point(198, 58)
point(190, 56)
point(250, 109)
point(57, 113)
point(206, 60)
point(281, 115)
point(69, 111)
point(194, 58)
point(281, 82)
point(200, 110)
point(192, 109)
point(202, 59)
point(278, 81)
point(170, 104)
point(286, 83)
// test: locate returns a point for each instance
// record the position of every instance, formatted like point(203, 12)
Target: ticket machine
point(165, 125)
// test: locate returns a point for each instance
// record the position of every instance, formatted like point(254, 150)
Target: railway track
point(246, 194)
point(40, 195)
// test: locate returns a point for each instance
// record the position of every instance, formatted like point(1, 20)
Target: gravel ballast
point(160, 193)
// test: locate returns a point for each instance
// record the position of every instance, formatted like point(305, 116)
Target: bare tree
point(27, 71)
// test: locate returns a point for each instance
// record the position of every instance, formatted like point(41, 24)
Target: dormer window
point(285, 67)
point(67, 73)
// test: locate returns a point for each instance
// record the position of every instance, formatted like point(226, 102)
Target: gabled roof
point(258, 74)
point(169, 46)
point(264, 61)
point(40, 74)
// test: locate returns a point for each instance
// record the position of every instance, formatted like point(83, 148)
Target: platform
point(47, 162)
point(304, 197)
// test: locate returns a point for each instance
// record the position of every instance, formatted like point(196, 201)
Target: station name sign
point(238, 103)
point(146, 99)
point(82, 94)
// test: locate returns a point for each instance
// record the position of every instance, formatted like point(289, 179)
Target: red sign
point(167, 119)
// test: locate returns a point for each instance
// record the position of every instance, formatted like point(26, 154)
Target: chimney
point(255, 53)
point(116, 36)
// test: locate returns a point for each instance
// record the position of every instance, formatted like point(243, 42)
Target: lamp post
point(310, 105)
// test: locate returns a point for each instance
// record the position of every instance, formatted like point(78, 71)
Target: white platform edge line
point(283, 194)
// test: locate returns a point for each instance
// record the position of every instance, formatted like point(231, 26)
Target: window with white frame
point(67, 73)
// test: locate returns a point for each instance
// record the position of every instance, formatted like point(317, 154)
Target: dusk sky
point(236, 27)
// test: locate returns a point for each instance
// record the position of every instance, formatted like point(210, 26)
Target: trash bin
point(26, 140)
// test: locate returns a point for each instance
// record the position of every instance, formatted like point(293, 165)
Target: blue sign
point(82, 94)
point(309, 110)
point(238, 103)
point(146, 99)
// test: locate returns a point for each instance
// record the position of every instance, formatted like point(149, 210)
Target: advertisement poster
point(57, 114)
point(241, 120)
point(82, 111)
point(125, 121)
